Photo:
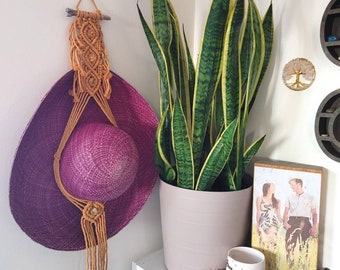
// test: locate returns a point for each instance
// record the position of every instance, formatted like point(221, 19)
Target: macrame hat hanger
point(85, 166)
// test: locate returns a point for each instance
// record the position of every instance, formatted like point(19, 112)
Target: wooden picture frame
point(286, 214)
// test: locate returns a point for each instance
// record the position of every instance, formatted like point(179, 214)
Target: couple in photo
point(299, 219)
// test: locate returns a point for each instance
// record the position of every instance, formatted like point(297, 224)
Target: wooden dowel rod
point(72, 12)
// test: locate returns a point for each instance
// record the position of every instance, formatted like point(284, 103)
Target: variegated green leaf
point(268, 30)
point(252, 150)
point(160, 58)
point(257, 53)
point(180, 66)
point(230, 179)
point(231, 82)
point(230, 64)
point(191, 68)
point(207, 74)
point(163, 149)
point(251, 68)
point(162, 23)
point(217, 158)
point(182, 148)
point(246, 45)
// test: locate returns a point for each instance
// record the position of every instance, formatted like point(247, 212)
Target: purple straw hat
point(100, 162)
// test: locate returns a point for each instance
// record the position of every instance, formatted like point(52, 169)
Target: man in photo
point(300, 219)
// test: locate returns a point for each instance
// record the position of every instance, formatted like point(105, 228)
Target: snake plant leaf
point(232, 93)
point(160, 58)
point(217, 158)
point(252, 150)
point(216, 125)
point(182, 148)
point(179, 65)
point(208, 68)
point(230, 178)
point(230, 64)
point(191, 68)
point(162, 24)
point(176, 61)
point(253, 40)
point(257, 54)
point(191, 80)
point(163, 149)
point(268, 30)
point(245, 160)
point(246, 44)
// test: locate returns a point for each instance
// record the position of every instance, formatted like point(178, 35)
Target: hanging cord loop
point(91, 80)
point(93, 3)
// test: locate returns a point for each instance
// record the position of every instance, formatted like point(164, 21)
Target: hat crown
point(99, 162)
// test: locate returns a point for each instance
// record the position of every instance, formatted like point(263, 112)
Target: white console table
point(154, 261)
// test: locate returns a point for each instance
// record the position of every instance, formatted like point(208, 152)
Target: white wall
point(34, 55)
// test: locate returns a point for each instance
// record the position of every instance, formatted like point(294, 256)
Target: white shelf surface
point(154, 261)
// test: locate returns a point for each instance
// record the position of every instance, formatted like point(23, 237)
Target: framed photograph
point(286, 205)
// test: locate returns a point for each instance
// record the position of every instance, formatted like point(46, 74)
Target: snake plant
point(200, 142)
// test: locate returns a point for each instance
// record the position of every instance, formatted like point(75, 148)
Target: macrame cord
point(91, 80)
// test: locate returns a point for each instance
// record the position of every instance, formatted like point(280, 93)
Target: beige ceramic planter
point(200, 227)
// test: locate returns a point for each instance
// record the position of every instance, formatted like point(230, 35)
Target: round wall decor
point(330, 31)
point(327, 125)
point(298, 74)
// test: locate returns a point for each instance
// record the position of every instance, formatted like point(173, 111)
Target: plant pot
point(199, 227)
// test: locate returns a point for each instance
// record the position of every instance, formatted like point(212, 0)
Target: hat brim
point(36, 202)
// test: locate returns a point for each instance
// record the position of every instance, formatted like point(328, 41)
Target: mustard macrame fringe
point(91, 80)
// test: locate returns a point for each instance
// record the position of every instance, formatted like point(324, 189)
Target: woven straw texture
point(37, 204)
point(99, 162)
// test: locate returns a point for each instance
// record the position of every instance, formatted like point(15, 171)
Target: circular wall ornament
point(298, 74)
point(327, 125)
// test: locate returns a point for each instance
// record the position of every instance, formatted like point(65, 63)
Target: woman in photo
point(268, 216)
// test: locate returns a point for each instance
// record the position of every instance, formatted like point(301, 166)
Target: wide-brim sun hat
point(36, 202)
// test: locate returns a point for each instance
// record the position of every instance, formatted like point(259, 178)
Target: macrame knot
point(93, 224)
point(88, 57)
point(92, 211)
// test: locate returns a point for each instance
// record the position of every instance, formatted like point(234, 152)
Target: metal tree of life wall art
point(298, 74)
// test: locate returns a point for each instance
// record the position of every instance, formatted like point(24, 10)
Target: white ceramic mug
point(245, 258)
